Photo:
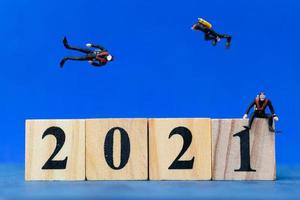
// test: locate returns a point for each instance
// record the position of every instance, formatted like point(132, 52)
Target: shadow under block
point(116, 149)
point(55, 150)
point(180, 149)
point(238, 152)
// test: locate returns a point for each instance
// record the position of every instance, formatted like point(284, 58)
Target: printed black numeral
point(187, 140)
point(108, 148)
point(245, 151)
point(60, 137)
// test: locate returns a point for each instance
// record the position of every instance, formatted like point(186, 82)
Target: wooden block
point(55, 150)
point(116, 149)
point(180, 149)
point(232, 144)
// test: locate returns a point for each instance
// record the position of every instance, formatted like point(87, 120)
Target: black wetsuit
point(259, 112)
point(98, 56)
point(210, 34)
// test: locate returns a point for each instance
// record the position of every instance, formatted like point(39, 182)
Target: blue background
point(162, 68)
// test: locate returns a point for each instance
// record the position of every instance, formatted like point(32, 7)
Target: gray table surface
point(13, 186)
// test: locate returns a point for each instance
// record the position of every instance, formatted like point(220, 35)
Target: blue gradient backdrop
point(162, 68)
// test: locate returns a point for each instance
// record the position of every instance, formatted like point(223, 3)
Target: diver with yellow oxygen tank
point(209, 33)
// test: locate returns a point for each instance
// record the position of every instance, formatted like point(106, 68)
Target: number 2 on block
point(60, 137)
point(187, 140)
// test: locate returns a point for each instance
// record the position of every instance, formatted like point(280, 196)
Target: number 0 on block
point(116, 149)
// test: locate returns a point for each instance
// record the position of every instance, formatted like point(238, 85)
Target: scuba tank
point(205, 23)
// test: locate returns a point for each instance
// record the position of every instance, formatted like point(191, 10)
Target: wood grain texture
point(163, 150)
point(226, 150)
point(96, 165)
point(39, 150)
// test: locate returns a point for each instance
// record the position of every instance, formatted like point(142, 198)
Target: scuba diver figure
point(97, 57)
point(260, 104)
point(209, 33)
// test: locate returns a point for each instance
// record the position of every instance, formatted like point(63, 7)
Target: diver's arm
point(95, 63)
point(96, 46)
point(271, 107)
point(194, 27)
point(200, 27)
point(249, 108)
point(197, 27)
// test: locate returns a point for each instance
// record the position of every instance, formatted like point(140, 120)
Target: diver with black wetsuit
point(209, 33)
point(260, 104)
point(97, 57)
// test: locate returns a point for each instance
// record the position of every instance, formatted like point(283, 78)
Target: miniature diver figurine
point(96, 57)
point(260, 104)
point(209, 33)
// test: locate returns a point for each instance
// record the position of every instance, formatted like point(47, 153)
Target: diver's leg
point(83, 50)
point(253, 116)
point(228, 39)
point(225, 36)
point(270, 123)
point(228, 42)
point(81, 58)
point(213, 39)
